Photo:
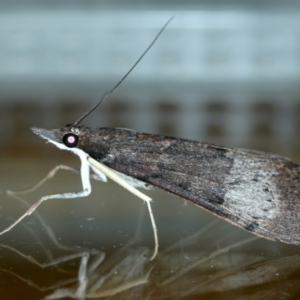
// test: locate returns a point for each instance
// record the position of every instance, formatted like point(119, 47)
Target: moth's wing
point(257, 191)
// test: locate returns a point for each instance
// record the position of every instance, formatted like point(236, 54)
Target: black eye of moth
point(70, 140)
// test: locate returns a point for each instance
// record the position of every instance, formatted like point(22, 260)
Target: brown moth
point(257, 191)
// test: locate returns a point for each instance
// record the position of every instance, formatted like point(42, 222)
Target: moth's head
point(64, 138)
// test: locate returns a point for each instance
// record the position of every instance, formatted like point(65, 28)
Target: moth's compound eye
point(70, 140)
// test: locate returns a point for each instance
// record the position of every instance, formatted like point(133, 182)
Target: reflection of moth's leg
point(96, 277)
point(53, 263)
point(89, 259)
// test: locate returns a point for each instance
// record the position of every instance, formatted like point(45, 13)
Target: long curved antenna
point(108, 93)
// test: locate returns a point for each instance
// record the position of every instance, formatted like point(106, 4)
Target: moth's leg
point(97, 166)
point(86, 184)
point(50, 175)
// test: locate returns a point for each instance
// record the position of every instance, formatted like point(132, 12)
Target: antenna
point(108, 93)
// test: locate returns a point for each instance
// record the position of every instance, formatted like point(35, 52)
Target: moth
point(257, 191)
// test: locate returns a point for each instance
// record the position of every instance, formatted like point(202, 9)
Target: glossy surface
point(198, 255)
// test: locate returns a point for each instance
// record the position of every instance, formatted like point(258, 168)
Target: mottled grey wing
point(257, 191)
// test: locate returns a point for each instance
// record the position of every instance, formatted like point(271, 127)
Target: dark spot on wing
point(184, 185)
point(148, 177)
point(216, 199)
point(217, 196)
point(221, 152)
point(195, 149)
point(252, 226)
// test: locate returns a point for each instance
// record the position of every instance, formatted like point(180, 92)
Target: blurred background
point(224, 72)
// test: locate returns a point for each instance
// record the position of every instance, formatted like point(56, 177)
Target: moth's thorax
point(100, 142)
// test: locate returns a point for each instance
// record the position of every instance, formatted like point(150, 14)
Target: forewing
point(254, 190)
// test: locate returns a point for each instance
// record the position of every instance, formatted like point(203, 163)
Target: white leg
point(86, 184)
point(97, 166)
point(50, 175)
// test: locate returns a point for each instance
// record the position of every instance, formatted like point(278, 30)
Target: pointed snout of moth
point(44, 133)
point(51, 135)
